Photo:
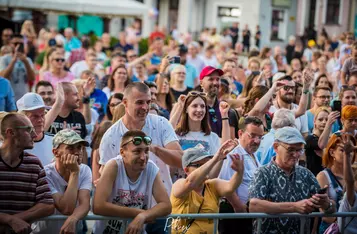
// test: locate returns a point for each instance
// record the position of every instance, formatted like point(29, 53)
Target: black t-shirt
point(178, 93)
point(75, 120)
point(313, 161)
point(246, 37)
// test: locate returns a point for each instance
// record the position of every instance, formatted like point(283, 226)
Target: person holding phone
point(17, 68)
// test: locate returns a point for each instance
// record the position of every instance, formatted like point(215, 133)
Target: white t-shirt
point(350, 226)
point(210, 142)
point(210, 61)
point(78, 67)
point(157, 127)
point(58, 185)
point(43, 150)
point(107, 92)
point(133, 194)
point(300, 122)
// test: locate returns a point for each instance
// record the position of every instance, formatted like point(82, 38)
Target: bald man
point(20, 207)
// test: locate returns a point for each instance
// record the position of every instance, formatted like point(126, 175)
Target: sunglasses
point(28, 129)
point(287, 87)
point(59, 59)
point(137, 140)
point(195, 94)
point(114, 104)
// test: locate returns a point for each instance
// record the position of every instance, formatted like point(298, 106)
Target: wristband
point(85, 100)
point(226, 118)
point(306, 91)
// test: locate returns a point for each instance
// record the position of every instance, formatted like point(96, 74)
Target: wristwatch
point(306, 91)
point(329, 207)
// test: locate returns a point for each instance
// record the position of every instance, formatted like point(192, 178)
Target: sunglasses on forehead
point(137, 140)
point(195, 94)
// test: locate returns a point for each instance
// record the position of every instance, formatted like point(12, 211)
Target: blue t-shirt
point(7, 96)
point(191, 75)
point(99, 102)
point(151, 78)
point(238, 85)
point(72, 44)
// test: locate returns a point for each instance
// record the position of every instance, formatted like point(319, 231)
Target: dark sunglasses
point(114, 104)
point(59, 59)
point(287, 87)
point(137, 140)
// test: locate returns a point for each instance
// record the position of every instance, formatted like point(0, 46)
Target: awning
point(90, 7)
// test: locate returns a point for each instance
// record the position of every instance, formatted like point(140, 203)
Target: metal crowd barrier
point(216, 217)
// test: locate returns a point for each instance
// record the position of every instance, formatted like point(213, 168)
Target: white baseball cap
point(30, 101)
point(278, 76)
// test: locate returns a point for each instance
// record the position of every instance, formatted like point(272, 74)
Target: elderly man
point(70, 182)
point(20, 207)
point(250, 136)
point(282, 186)
point(128, 187)
point(282, 118)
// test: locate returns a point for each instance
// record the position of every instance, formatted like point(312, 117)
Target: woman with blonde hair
point(29, 34)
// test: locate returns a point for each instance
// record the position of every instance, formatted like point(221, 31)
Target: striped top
point(23, 186)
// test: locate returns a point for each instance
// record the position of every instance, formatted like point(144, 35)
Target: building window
point(332, 12)
point(278, 25)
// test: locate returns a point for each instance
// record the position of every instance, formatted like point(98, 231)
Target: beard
point(287, 99)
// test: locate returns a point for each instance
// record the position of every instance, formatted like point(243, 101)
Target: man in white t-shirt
point(285, 98)
point(165, 150)
point(90, 63)
point(70, 182)
point(32, 105)
point(127, 187)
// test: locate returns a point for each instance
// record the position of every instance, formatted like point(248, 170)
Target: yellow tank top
point(190, 205)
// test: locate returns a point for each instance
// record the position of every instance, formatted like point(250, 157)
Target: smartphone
point(175, 60)
point(21, 48)
point(336, 106)
point(322, 191)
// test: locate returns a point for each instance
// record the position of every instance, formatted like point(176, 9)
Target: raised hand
point(181, 99)
point(347, 144)
point(308, 77)
point(89, 86)
point(237, 163)
point(225, 148)
point(332, 117)
point(224, 108)
point(60, 93)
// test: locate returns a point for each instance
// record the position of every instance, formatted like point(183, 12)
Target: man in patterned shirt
point(282, 186)
point(24, 192)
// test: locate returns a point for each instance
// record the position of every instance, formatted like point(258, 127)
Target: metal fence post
point(259, 225)
point(302, 225)
point(343, 221)
point(215, 227)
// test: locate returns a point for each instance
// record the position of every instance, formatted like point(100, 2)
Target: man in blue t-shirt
point(7, 96)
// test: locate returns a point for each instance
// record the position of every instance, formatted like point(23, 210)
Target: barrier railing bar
point(218, 216)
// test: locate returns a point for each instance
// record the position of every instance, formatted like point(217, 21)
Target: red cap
point(208, 70)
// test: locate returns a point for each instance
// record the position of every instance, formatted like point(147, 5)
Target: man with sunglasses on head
point(285, 99)
point(24, 192)
point(282, 186)
point(250, 137)
point(17, 68)
point(209, 83)
point(128, 186)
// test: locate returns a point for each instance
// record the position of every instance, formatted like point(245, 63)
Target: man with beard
point(210, 78)
point(46, 91)
point(321, 97)
point(249, 140)
point(24, 192)
point(165, 149)
point(285, 98)
point(68, 117)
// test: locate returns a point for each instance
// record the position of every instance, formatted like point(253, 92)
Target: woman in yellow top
point(199, 194)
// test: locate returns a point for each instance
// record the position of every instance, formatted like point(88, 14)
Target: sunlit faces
point(228, 67)
point(197, 109)
point(287, 93)
point(72, 98)
point(322, 98)
point(37, 118)
point(165, 87)
point(47, 94)
point(179, 74)
point(24, 134)
point(113, 103)
point(75, 149)
point(137, 106)
point(289, 154)
point(321, 120)
point(120, 75)
point(254, 67)
point(349, 125)
point(136, 157)
point(296, 65)
point(348, 98)
point(251, 137)
point(297, 77)
point(323, 82)
point(210, 84)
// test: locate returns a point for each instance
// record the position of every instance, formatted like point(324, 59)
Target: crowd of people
point(191, 126)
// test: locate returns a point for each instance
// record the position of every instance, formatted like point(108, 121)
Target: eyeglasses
point(114, 104)
point(59, 60)
point(137, 140)
point(28, 129)
point(349, 87)
point(324, 97)
point(287, 87)
point(213, 115)
point(254, 137)
point(291, 151)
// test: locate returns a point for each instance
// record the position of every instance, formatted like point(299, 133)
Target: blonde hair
point(119, 112)
point(28, 29)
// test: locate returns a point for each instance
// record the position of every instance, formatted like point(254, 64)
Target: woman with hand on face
point(332, 175)
point(57, 73)
point(199, 194)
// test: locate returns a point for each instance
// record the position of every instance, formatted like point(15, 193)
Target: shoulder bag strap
point(199, 209)
point(334, 179)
